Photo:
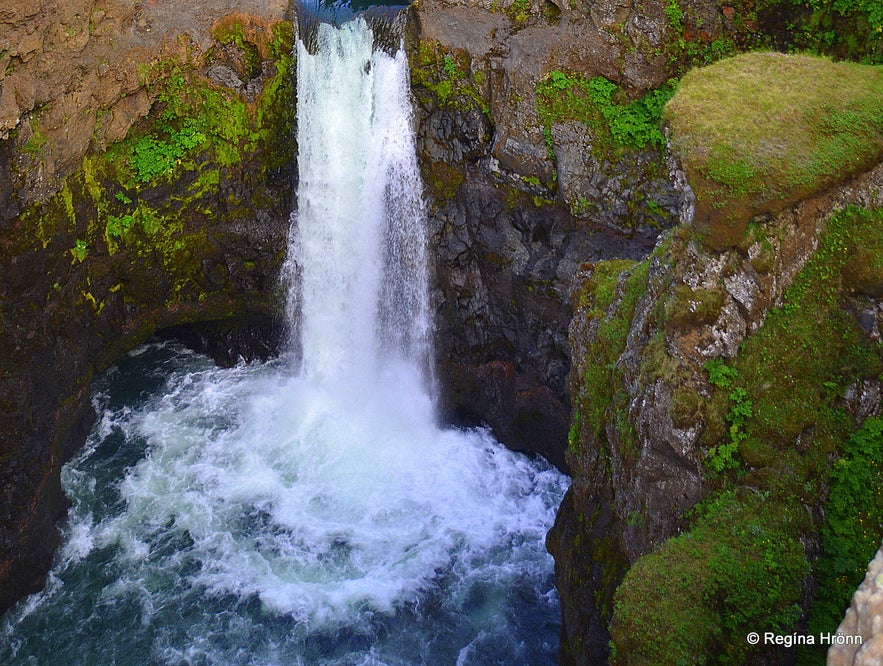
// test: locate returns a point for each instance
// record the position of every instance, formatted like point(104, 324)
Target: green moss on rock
point(740, 568)
point(760, 131)
point(607, 297)
point(774, 421)
point(447, 79)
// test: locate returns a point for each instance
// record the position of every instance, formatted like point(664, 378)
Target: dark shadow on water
point(385, 19)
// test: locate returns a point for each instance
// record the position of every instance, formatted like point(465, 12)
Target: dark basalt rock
point(502, 291)
point(65, 318)
point(254, 337)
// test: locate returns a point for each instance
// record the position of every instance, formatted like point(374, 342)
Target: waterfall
point(358, 240)
point(315, 514)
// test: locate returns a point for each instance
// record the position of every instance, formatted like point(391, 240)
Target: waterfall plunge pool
point(307, 513)
point(242, 516)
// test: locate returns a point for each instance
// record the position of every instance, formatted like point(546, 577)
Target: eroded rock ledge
point(119, 216)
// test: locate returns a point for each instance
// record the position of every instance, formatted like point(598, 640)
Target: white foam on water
point(266, 512)
point(321, 506)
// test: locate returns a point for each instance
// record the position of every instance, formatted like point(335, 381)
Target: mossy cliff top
point(761, 131)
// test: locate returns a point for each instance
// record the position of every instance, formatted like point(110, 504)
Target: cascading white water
point(261, 515)
point(359, 238)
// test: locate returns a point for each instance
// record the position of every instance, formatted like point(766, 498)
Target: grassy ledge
point(600, 104)
point(761, 131)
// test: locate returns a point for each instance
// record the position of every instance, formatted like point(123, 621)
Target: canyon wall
point(520, 199)
point(145, 182)
point(583, 278)
point(716, 383)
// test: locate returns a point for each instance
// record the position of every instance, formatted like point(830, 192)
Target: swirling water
point(309, 511)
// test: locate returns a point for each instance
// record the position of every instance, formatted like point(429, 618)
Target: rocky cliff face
point(73, 75)
point(175, 222)
point(642, 451)
point(138, 192)
point(519, 199)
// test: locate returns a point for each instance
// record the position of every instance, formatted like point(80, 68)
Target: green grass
point(811, 345)
point(760, 131)
point(853, 525)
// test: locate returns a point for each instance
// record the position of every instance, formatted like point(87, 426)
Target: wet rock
point(72, 297)
point(506, 248)
point(224, 76)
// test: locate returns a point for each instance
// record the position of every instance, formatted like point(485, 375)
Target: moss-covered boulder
point(758, 132)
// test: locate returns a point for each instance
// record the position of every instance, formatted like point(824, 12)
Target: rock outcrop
point(864, 619)
point(516, 204)
point(645, 421)
point(73, 74)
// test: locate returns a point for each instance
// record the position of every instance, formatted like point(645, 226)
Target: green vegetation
point(845, 29)
point(34, 145)
point(194, 127)
point(600, 104)
point(853, 524)
point(444, 180)
point(842, 29)
point(143, 205)
point(773, 424)
point(608, 296)
point(445, 76)
point(232, 32)
point(521, 11)
point(759, 131)
point(674, 15)
point(812, 346)
point(518, 12)
point(722, 456)
point(197, 119)
point(741, 567)
point(682, 44)
point(154, 157)
point(194, 114)
point(80, 250)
